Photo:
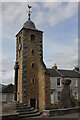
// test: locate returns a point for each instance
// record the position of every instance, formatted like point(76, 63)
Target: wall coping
point(56, 112)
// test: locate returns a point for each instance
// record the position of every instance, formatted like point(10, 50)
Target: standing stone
point(65, 96)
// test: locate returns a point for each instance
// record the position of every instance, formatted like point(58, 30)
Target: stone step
point(30, 115)
point(20, 104)
point(25, 109)
point(29, 112)
point(23, 106)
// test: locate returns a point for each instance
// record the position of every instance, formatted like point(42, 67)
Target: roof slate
point(7, 89)
point(69, 73)
point(53, 73)
point(63, 73)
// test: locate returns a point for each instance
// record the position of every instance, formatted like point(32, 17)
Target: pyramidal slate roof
point(62, 73)
point(29, 25)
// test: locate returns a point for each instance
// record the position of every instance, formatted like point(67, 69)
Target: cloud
point(55, 12)
point(40, 1)
point(7, 71)
point(63, 61)
point(14, 15)
point(64, 56)
point(13, 12)
point(76, 41)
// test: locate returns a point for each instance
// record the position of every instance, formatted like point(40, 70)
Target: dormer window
point(32, 38)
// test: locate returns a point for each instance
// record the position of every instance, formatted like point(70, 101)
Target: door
point(33, 103)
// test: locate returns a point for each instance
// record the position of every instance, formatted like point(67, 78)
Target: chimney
point(76, 68)
point(54, 67)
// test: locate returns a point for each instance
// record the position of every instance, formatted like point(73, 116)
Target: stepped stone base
point(17, 111)
point(9, 108)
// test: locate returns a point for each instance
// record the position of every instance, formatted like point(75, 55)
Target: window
point(33, 52)
point(76, 95)
point(59, 96)
point(32, 65)
point(19, 40)
point(11, 97)
point(32, 38)
point(52, 90)
point(40, 41)
point(75, 83)
point(3, 97)
point(52, 95)
point(24, 89)
point(33, 80)
point(19, 45)
point(59, 82)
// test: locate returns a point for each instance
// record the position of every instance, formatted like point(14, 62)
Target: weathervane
point(29, 12)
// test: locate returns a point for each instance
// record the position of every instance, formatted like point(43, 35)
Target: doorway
point(33, 103)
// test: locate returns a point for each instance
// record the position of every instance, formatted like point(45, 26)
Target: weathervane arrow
point(29, 12)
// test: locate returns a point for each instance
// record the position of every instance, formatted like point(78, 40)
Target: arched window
point(32, 38)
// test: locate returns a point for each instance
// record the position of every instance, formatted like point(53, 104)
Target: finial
point(29, 12)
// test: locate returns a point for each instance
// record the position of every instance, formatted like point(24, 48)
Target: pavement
point(74, 116)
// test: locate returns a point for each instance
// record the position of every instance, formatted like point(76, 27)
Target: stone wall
point(57, 112)
point(32, 80)
point(19, 60)
point(47, 91)
point(41, 89)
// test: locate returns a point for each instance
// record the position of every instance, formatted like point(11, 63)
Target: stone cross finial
point(29, 12)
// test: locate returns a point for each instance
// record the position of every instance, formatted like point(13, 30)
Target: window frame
point(75, 83)
point(3, 96)
point(57, 82)
point(58, 95)
point(76, 96)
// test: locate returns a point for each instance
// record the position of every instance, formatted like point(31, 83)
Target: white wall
point(53, 85)
point(6, 96)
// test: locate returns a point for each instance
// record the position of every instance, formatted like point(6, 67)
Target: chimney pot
point(54, 67)
point(76, 68)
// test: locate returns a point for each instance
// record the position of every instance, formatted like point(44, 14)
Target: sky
point(59, 23)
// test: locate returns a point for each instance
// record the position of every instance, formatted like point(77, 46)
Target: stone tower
point(32, 84)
